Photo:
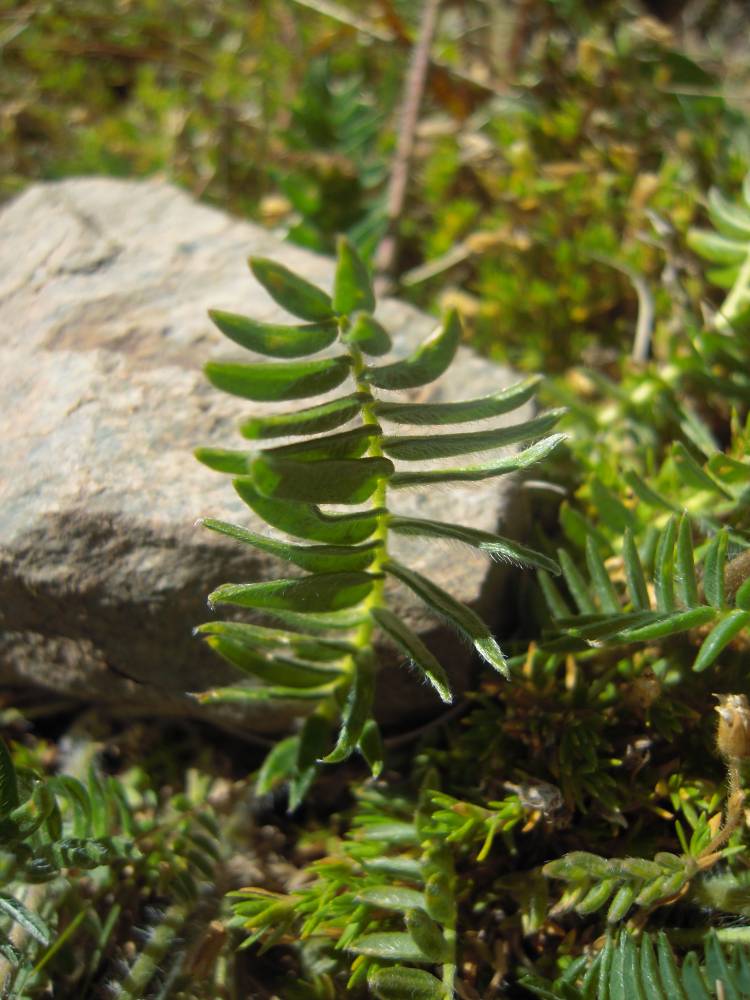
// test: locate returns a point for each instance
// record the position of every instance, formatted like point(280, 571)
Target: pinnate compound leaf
point(462, 618)
point(401, 983)
point(426, 364)
point(271, 382)
point(345, 481)
point(495, 546)
point(313, 420)
point(345, 444)
point(358, 709)
point(308, 521)
point(460, 412)
point(416, 448)
point(368, 335)
point(314, 558)
point(272, 339)
point(720, 637)
point(297, 296)
point(352, 286)
point(513, 463)
point(317, 592)
point(416, 650)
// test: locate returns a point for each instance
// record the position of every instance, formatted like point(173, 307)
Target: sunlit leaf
point(346, 481)
point(352, 287)
point(415, 649)
point(308, 521)
point(269, 381)
point(426, 364)
point(345, 444)
point(318, 592)
point(368, 335)
point(313, 420)
point(272, 339)
point(462, 618)
point(402, 983)
point(460, 412)
point(310, 647)
point(297, 296)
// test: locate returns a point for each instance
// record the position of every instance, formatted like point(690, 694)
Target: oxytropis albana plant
point(329, 615)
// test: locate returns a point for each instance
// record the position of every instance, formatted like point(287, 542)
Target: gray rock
point(104, 287)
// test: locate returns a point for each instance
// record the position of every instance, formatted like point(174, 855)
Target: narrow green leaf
point(426, 364)
point(714, 565)
point(644, 492)
point(368, 335)
point(310, 621)
point(26, 919)
point(417, 448)
point(272, 339)
point(716, 248)
point(687, 583)
point(345, 444)
point(313, 420)
point(293, 293)
point(276, 670)
point(597, 896)
point(462, 618)
point(634, 573)
point(234, 463)
point(371, 747)
point(352, 287)
point(416, 650)
point(621, 902)
point(427, 935)
point(308, 521)
point(664, 569)
point(313, 741)
point(8, 783)
point(239, 695)
point(313, 558)
point(529, 456)
point(494, 545)
point(720, 637)
point(603, 586)
point(576, 584)
point(269, 381)
point(345, 481)
point(401, 983)
point(610, 509)
point(742, 597)
point(692, 978)
point(728, 469)
point(552, 596)
point(318, 592)
point(671, 624)
point(603, 626)
point(309, 647)
point(731, 218)
point(460, 412)
point(357, 710)
point(692, 474)
point(278, 765)
point(668, 970)
point(393, 946)
point(391, 897)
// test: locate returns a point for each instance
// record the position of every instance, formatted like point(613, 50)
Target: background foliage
point(559, 198)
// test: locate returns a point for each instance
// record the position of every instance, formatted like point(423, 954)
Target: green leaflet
point(391, 898)
point(664, 575)
point(275, 670)
point(462, 618)
point(345, 619)
point(727, 216)
point(368, 335)
point(494, 545)
point(419, 447)
point(335, 481)
point(313, 558)
point(634, 573)
point(686, 582)
point(691, 472)
point(716, 248)
point(474, 473)
point(720, 637)
point(352, 287)
point(670, 624)
point(346, 444)
point(307, 521)
point(713, 569)
point(426, 364)
point(357, 710)
point(28, 920)
point(313, 420)
point(392, 945)
point(402, 983)
point(277, 381)
point(293, 293)
point(371, 747)
point(252, 694)
point(318, 592)
point(416, 650)
point(461, 412)
point(309, 647)
point(272, 339)
point(228, 460)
